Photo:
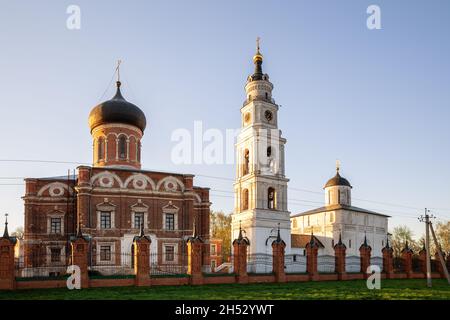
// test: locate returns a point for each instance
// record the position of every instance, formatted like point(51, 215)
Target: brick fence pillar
point(407, 254)
point(80, 257)
point(194, 248)
point(339, 259)
point(364, 254)
point(141, 245)
point(423, 260)
point(278, 247)
point(388, 260)
point(240, 258)
point(312, 249)
point(7, 276)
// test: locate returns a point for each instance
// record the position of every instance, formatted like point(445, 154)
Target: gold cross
point(338, 165)
point(257, 43)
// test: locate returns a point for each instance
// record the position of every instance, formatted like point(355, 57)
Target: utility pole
point(441, 258)
point(426, 219)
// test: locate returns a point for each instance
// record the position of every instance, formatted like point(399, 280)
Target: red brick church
point(111, 200)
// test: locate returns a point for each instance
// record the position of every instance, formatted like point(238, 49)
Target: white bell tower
point(261, 186)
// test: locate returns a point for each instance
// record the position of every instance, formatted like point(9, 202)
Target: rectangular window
point(170, 253)
point(213, 249)
point(349, 243)
point(138, 220)
point(105, 253)
point(55, 225)
point(213, 265)
point(105, 220)
point(170, 221)
point(55, 254)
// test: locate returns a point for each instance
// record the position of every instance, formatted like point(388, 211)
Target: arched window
point(101, 148)
point(245, 199)
point(269, 151)
point(138, 151)
point(246, 162)
point(271, 198)
point(122, 147)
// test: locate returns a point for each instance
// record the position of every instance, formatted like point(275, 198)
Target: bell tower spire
point(258, 60)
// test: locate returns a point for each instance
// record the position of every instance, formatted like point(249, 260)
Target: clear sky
point(378, 100)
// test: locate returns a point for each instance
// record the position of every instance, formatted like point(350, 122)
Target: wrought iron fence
point(399, 264)
point(295, 263)
point(41, 265)
point(111, 263)
point(259, 263)
point(377, 261)
point(416, 264)
point(352, 264)
point(168, 264)
point(326, 264)
point(434, 265)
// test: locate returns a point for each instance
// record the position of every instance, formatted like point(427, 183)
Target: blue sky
point(378, 100)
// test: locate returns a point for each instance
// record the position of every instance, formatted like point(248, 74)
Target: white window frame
point(62, 256)
point(171, 210)
point(175, 252)
point(59, 215)
point(106, 207)
point(113, 253)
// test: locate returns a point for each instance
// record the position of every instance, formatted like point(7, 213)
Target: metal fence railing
point(295, 263)
point(352, 264)
point(399, 264)
point(168, 264)
point(260, 263)
point(111, 263)
point(326, 264)
point(377, 261)
point(41, 265)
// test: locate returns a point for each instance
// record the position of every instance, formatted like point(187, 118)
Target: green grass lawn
point(356, 289)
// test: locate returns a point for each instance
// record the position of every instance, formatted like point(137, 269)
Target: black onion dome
point(337, 180)
point(117, 110)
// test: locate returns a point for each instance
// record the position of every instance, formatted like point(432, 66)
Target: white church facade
point(260, 189)
point(339, 218)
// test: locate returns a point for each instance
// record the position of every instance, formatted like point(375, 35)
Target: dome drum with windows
point(117, 127)
point(338, 190)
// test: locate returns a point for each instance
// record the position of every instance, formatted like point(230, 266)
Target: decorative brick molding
point(339, 258)
point(312, 249)
point(278, 247)
point(141, 266)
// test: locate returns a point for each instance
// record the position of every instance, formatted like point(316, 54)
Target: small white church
point(260, 188)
